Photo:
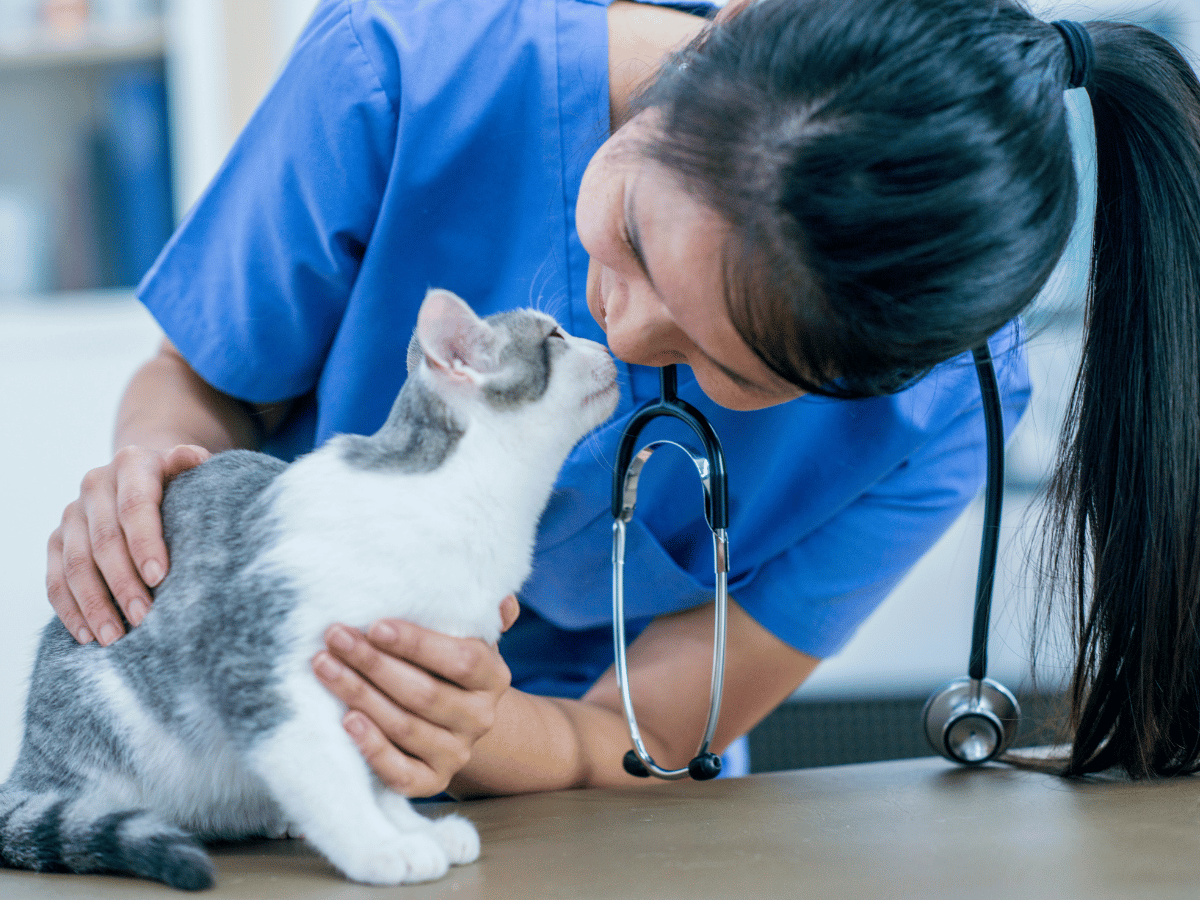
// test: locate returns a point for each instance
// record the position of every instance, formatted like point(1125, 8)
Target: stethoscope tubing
point(999, 706)
point(993, 418)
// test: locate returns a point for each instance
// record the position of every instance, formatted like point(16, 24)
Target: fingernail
point(327, 668)
point(355, 726)
point(153, 573)
point(340, 639)
point(136, 612)
point(108, 633)
point(384, 631)
point(84, 636)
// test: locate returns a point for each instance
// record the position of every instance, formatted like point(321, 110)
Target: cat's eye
point(557, 333)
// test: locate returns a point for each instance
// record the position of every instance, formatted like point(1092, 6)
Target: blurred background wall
point(114, 114)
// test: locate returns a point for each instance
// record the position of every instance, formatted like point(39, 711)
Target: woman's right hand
point(109, 550)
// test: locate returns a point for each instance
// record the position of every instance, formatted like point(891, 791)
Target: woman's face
point(655, 279)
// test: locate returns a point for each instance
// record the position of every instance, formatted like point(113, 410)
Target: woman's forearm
point(541, 743)
point(167, 404)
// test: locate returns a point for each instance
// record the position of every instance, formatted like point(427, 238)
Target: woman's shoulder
point(422, 47)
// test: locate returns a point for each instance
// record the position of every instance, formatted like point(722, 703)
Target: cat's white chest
point(359, 545)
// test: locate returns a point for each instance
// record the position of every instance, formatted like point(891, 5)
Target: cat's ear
point(453, 339)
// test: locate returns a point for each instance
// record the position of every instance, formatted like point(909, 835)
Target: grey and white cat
point(206, 721)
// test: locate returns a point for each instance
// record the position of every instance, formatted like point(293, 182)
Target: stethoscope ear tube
point(710, 466)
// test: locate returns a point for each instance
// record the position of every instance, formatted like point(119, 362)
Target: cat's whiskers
point(537, 299)
point(591, 441)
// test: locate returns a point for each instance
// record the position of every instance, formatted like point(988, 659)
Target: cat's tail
point(58, 832)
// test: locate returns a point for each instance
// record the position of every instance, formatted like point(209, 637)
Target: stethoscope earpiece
point(971, 722)
point(703, 767)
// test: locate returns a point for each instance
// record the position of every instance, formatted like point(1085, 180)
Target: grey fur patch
point(526, 358)
point(207, 648)
point(420, 434)
point(59, 691)
point(220, 629)
point(415, 353)
point(102, 849)
point(45, 840)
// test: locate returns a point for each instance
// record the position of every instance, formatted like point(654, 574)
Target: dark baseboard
point(801, 734)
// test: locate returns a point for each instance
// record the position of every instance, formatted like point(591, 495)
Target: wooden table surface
point(907, 829)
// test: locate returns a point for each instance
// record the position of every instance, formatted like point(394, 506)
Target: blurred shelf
point(89, 45)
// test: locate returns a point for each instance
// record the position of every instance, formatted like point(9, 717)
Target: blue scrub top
point(408, 145)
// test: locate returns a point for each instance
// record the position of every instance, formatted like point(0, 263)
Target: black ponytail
point(1125, 515)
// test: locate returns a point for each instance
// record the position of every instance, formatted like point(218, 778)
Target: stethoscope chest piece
point(972, 721)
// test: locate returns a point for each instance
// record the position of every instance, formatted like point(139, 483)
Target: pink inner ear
point(452, 336)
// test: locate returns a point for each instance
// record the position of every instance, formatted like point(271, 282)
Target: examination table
point(908, 829)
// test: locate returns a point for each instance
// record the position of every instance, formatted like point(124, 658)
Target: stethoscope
point(971, 720)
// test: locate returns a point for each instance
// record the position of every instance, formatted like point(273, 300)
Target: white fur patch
point(200, 783)
point(441, 548)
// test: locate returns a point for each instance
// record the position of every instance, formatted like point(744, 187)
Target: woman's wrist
point(531, 747)
point(546, 744)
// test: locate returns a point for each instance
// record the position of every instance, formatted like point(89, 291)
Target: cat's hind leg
point(322, 783)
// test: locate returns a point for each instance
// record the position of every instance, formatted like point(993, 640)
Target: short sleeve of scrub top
point(410, 145)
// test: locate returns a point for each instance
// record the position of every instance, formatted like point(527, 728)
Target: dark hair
point(1125, 529)
point(897, 175)
point(898, 178)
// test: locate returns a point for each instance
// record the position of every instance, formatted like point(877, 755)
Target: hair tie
point(1080, 49)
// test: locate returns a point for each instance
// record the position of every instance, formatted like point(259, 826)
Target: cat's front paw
point(408, 859)
point(458, 838)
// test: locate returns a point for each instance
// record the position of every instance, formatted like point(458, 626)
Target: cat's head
point(518, 364)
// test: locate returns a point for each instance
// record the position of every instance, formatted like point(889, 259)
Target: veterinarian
point(820, 200)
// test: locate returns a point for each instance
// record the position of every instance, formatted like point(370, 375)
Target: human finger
point(471, 664)
point(83, 579)
point(439, 751)
point(142, 477)
point(183, 457)
point(61, 598)
point(510, 609)
point(101, 501)
point(432, 699)
point(402, 773)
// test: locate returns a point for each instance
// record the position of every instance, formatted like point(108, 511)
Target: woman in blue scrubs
point(817, 208)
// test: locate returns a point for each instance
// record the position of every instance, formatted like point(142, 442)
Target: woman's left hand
point(418, 700)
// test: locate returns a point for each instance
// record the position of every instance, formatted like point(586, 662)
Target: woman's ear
point(454, 340)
